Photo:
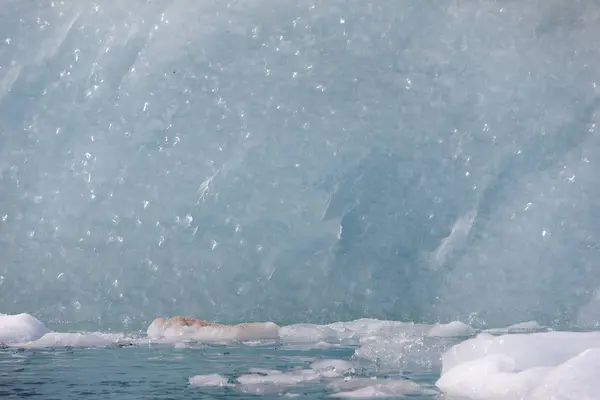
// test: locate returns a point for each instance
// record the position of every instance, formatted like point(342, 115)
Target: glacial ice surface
point(300, 161)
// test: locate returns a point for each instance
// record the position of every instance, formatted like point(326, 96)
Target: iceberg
point(299, 162)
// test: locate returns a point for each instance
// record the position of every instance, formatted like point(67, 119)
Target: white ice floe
point(20, 328)
point(351, 332)
point(452, 329)
point(72, 339)
point(523, 327)
point(538, 366)
point(176, 330)
point(25, 331)
point(306, 335)
point(259, 376)
point(260, 381)
point(385, 388)
point(208, 380)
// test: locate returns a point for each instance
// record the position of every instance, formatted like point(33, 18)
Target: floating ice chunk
point(452, 329)
point(263, 381)
point(527, 350)
point(20, 328)
point(185, 344)
point(576, 379)
point(25, 331)
point(278, 378)
point(71, 339)
point(325, 345)
point(386, 388)
point(192, 328)
point(209, 380)
point(491, 377)
point(350, 383)
point(402, 352)
point(350, 332)
point(301, 333)
point(332, 368)
point(523, 327)
point(549, 365)
point(371, 327)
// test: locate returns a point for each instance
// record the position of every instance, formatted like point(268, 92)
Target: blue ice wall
point(300, 160)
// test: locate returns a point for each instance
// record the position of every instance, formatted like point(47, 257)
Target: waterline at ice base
point(318, 198)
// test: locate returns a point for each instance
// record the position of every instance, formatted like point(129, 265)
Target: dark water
point(162, 372)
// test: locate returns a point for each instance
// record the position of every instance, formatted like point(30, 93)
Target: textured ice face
point(299, 161)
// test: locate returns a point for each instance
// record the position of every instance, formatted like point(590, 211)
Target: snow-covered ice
point(549, 365)
point(20, 328)
point(25, 331)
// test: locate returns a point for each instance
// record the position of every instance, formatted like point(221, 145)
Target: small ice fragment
point(208, 380)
